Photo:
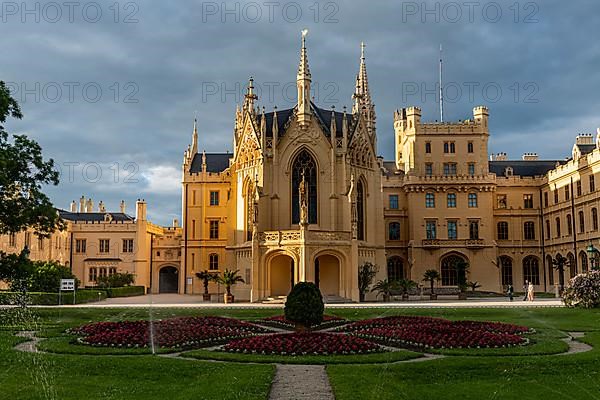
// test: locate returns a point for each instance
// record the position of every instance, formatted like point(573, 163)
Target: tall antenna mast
point(441, 88)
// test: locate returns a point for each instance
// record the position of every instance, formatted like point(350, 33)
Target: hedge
point(126, 291)
point(50, 299)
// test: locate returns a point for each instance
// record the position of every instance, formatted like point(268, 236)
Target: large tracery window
point(304, 163)
point(360, 211)
point(450, 271)
point(249, 211)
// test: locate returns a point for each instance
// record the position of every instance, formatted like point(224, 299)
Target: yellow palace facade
point(304, 197)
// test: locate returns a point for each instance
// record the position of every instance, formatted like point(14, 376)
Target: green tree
point(560, 263)
point(304, 306)
point(385, 287)
point(46, 275)
point(366, 274)
point(23, 173)
point(430, 276)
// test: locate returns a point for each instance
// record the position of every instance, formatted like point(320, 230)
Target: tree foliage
point(23, 173)
point(430, 276)
point(120, 279)
point(304, 305)
point(366, 274)
point(46, 275)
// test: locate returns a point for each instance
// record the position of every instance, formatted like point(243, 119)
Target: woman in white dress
point(530, 292)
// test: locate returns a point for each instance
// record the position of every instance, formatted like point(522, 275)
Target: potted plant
point(206, 277)
point(366, 274)
point(405, 285)
point(429, 276)
point(474, 286)
point(461, 278)
point(384, 287)
point(228, 279)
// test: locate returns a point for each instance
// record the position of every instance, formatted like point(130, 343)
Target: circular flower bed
point(170, 333)
point(310, 343)
point(438, 333)
point(279, 321)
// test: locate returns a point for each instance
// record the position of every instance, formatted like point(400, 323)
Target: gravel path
point(301, 382)
point(575, 346)
point(31, 345)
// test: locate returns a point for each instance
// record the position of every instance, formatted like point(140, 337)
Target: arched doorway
point(282, 274)
point(327, 275)
point(168, 281)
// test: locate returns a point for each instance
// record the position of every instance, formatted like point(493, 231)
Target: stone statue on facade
point(303, 201)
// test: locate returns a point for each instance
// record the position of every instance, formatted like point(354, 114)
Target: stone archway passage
point(168, 281)
point(282, 275)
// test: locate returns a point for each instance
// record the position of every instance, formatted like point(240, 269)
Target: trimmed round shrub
point(304, 305)
point(583, 291)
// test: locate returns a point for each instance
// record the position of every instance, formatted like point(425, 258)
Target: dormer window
point(508, 171)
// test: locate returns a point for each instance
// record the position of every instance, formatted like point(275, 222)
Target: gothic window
point(360, 211)
point(304, 163)
point(449, 270)
point(249, 211)
point(569, 225)
point(595, 218)
point(584, 261)
point(557, 221)
point(581, 222)
point(531, 270)
point(395, 268)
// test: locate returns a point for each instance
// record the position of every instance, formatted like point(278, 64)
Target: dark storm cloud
point(156, 63)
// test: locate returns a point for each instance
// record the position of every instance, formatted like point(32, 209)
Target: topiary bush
point(304, 306)
point(583, 291)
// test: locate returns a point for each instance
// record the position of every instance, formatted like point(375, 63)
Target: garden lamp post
point(592, 255)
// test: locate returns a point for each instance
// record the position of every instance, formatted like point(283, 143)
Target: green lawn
point(487, 374)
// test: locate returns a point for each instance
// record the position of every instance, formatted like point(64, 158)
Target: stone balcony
point(279, 238)
point(437, 243)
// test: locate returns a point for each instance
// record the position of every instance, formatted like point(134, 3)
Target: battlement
point(410, 118)
point(584, 138)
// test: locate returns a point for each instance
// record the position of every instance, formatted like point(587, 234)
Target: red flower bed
point(309, 343)
point(438, 333)
point(171, 333)
point(279, 321)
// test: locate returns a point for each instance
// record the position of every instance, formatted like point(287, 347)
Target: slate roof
point(586, 148)
point(215, 162)
point(323, 117)
point(94, 216)
point(524, 168)
point(390, 168)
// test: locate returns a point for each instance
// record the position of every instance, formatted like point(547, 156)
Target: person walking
point(525, 290)
point(530, 292)
point(510, 292)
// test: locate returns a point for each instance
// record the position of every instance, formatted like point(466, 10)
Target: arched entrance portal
point(282, 275)
point(327, 275)
point(168, 281)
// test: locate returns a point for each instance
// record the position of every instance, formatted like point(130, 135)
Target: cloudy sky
point(110, 89)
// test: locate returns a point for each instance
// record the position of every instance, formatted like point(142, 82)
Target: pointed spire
point(303, 79)
point(195, 137)
point(332, 126)
point(249, 97)
point(362, 95)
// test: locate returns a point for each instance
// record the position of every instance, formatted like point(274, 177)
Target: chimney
point(101, 207)
point(584, 138)
point(500, 157)
point(89, 207)
point(82, 204)
point(530, 157)
point(73, 207)
point(175, 223)
point(140, 210)
point(122, 206)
